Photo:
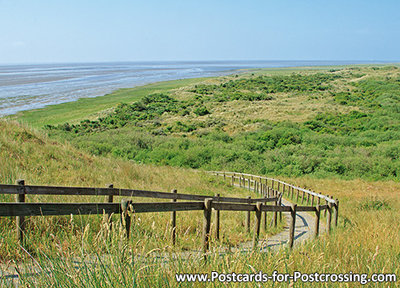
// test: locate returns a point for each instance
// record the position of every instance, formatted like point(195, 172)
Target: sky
point(55, 31)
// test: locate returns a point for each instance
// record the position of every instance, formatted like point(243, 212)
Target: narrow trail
point(304, 230)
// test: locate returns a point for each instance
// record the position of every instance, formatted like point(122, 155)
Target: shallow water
point(25, 87)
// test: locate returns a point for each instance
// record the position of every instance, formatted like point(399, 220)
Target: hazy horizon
point(35, 32)
point(374, 61)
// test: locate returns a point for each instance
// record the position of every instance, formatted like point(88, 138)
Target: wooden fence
point(265, 186)
point(20, 209)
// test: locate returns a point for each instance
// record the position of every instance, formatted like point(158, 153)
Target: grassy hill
point(331, 130)
point(29, 155)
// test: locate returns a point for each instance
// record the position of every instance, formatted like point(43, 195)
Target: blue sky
point(120, 30)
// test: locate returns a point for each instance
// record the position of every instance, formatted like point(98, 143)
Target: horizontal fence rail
point(59, 209)
point(126, 207)
point(86, 191)
point(237, 175)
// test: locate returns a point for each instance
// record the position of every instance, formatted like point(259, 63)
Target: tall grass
point(31, 156)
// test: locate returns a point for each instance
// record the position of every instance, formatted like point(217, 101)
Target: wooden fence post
point(297, 199)
point(207, 224)
point(336, 215)
point(217, 219)
point(275, 219)
point(248, 217)
point(20, 220)
point(265, 218)
point(292, 225)
point(110, 200)
point(326, 201)
point(329, 217)
point(125, 217)
point(233, 180)
point(317, 216)
point(308, 198)
point(312, 200)
point(257, 225)
point(280, 204)
point(302, 198)
point(173, 221)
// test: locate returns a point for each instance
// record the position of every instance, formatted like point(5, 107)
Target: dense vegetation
point(361, 143)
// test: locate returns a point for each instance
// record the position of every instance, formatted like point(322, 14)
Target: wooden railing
point(20, 209)
point(265, 185)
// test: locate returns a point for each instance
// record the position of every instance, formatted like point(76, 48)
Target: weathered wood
point(329, 217)
point(248, 217)
point(326, 202)
point(20, 220)
point(217, 219)
point(294, 187)
point(257, 224)
point(297, 198)
point(166, 207)
point(110, 199)
point(173, 221)
point(265, 222)
point(317, 219)
point(292, 225)
point(48, 209)
point(53, 209)
point(305, 208)
point(308, 198)
point(280, 204)
point(275, 218)
point(233, 206)
point(125, 216)
point(207, 224)
point(302, 198)
point(336, 215)
point(312, 200)
point(323, 207)
point(277, 208)
point(248, 207)
point(55, 190)
point(233, 180)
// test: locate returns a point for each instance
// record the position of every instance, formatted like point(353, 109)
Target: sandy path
point(304, 230)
